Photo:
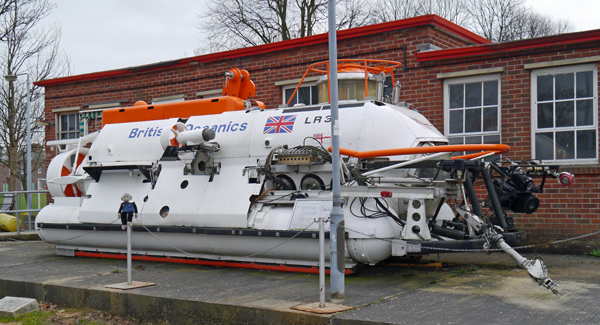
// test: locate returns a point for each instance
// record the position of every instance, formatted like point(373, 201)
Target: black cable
point(367, 213)
point(390, 214)
point(282, 196)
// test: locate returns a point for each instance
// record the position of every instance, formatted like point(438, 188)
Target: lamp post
point(11, 78)
point(336, 227)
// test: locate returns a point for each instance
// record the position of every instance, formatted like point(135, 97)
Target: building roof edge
point(278, 46)
point(520, 45)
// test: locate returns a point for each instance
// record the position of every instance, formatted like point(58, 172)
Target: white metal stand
point(321, 262)
point(129, 284)
point(129, 253)
point(321, 308)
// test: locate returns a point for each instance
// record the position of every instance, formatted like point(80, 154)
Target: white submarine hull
point(202, 204)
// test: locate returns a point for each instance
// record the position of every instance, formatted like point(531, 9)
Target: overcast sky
point(101, 35)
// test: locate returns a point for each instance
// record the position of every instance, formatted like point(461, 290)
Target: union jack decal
point(280, 124)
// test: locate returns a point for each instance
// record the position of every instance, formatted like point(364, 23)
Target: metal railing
point(17, 198)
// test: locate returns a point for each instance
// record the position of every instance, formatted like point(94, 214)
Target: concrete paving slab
point(129, 286)
point(473, 288)
point(486, 300)
point(17, 306)
point(327, 308)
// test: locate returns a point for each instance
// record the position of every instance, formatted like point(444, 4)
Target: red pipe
point(249, 265)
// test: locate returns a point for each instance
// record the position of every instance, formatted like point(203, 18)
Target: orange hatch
point(238, 87)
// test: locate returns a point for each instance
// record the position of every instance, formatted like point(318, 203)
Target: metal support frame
point(414, 193)
point(17, 202)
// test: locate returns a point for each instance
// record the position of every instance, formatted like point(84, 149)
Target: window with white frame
point(472, 110)
point(308, 94)
point(565, 114)
point(68, 126)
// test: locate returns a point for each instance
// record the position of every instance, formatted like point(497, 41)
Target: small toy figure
point(127, 210)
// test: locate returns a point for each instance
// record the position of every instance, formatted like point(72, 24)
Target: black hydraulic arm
point(489, 184)
point(472, 196)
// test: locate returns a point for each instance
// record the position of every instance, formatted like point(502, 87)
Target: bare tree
point(353, 13)
point(563, 26)
point(496, 20)
point(310, 12)
point(34, 51)
point(238, 23)
point(390, 10)
point(493, 19)
point(453, 10)
point(5, 7)
point(507, 20)
point(533, 24)
point(230, 24)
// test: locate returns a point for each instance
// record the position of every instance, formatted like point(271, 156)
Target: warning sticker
point(307, 211)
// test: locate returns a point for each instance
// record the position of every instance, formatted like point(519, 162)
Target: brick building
point(540, 96)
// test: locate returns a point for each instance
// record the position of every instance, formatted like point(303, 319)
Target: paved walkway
point(12, 236)
point(473, 288)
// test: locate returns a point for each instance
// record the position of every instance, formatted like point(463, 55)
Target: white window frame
point(58, 115)
point(293, 86)
point(467, 80)
point(534, 111)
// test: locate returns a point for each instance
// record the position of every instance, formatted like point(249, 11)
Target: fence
point(14, 201)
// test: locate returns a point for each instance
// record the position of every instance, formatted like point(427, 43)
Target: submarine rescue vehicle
point(225, 181)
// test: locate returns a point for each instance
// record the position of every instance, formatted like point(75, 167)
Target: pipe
point(417, 150)
point(478, 155)
point(410, 162)
point(446, 232)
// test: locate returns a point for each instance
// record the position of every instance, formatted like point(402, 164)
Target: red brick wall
point(564, 211)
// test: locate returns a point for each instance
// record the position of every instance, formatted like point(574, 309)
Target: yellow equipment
point(8, 222)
